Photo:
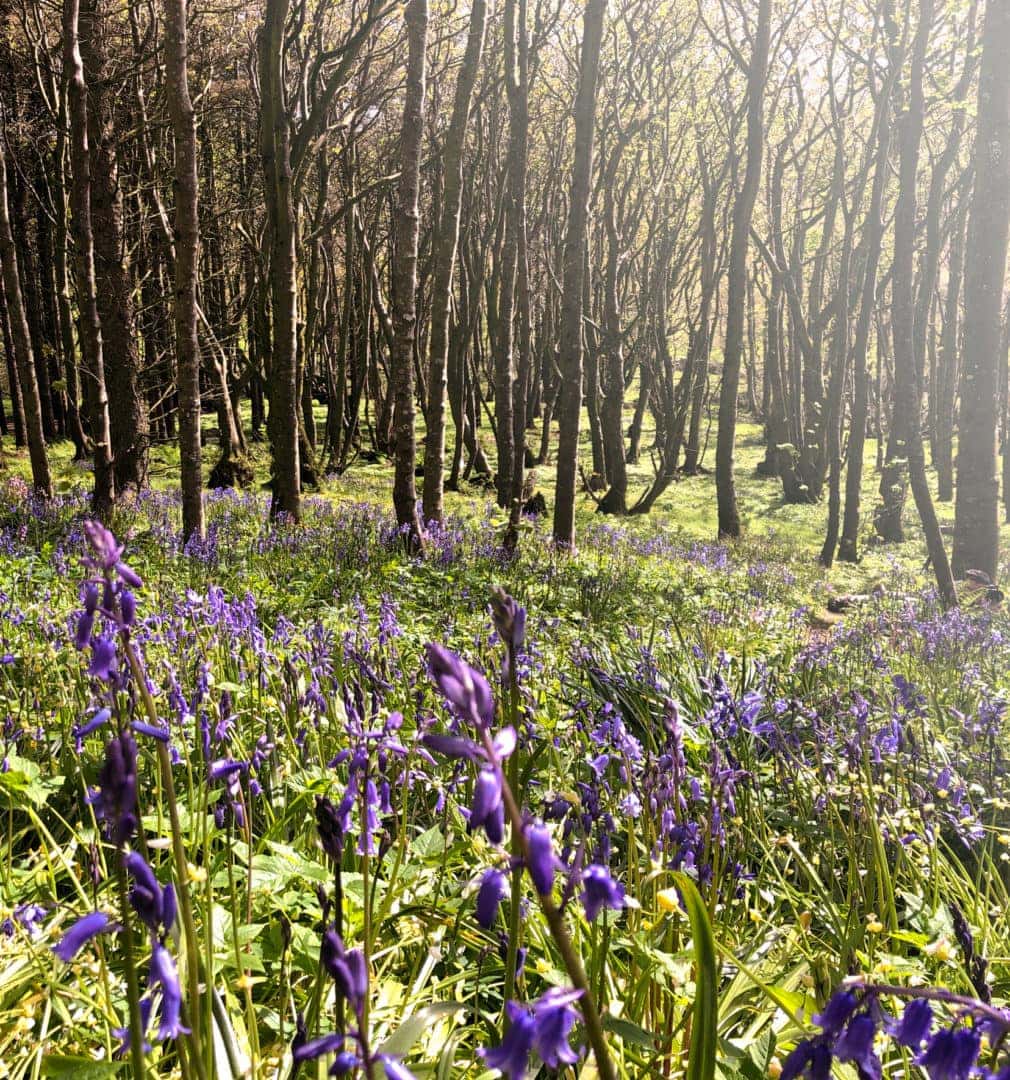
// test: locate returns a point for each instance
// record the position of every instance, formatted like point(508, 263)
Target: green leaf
point(628, 1032)
point(60, 1065)
point(705, 1021)
point(400, 1043)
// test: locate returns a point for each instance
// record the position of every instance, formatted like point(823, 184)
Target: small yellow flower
point(940, 949)
point(774, 1068)
point(245, 982)
point(668, 900)
point(197, 874)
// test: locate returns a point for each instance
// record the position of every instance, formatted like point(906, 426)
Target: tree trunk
point(907, 423)
point(446, 244)
point(21, 341)
point(275, 147)
point(404, 314)
point(729, 515)
point(187, 245)
point(976, 523)
point(570, 394)
point(90, 328)
point(128, 412)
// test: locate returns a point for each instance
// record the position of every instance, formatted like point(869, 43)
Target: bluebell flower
point(599, 891)
point(164, 975)
point(395, 1070)
point(116, 800)
point(915, 1024)
point(80, 933)
point(811, 1059)
point(836, 1013)
point(488, 809)
point(103, 659)
point(512, 1056)
point(553, 1020)
point(309, 1050)
point(332, 827)
point(950, 1054)
point(81, 731)
point(492, 889)
point(348, 969)
point(540, 858)
point(124, 1034)
point(855, 1045)
point(153, 903)
point(464, 688)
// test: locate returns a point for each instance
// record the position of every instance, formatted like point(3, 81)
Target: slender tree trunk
point(404, 314)
point(446, 244)
point(92, 352)
point(729, 515)
point(873, 233)
point(187, 246)
point(907, 424)
point(517, 84)
point(570, 395)
point(17, 405)
point(976, 523)
point(947, 365)
point(128, 412)
point(275, 136)
point(21, 341)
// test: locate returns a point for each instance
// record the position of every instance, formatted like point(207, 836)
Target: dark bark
point(21, 342)
point(187, 248)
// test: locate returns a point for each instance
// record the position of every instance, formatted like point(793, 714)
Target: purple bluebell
point(915, 1024)
point(154, 903)
point(512, 1056)
point(950, 1054)
point(124, 1034)
point(309, 1049)
point(395, 1070)
point(492, 890)
point(836, 1013)
point(855, 1045)
point(332, 825)
point(554, 1017)
point(509, 619)
point(488, 809)
point(347, 968)
point(100, 718)
point(103, 659)
point(164, 975)
point(464, 688)
point(116, 801)
point(540, 861)
point(599, 891)
point(80, 933)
